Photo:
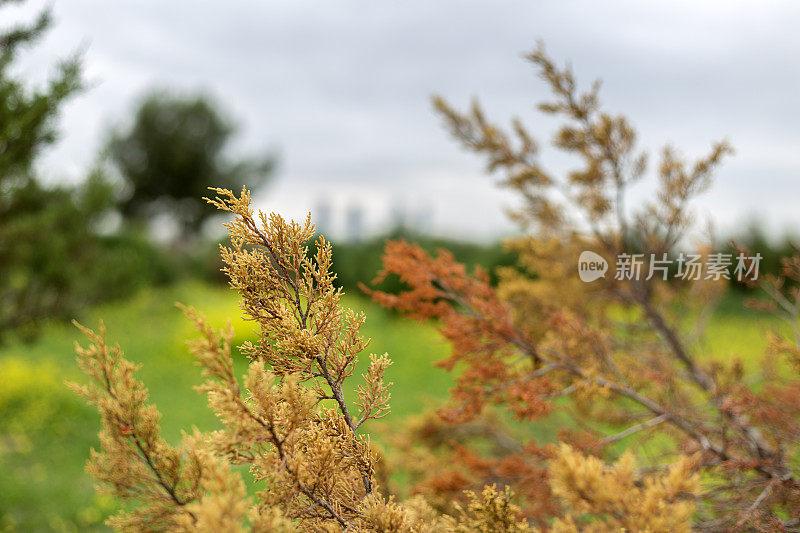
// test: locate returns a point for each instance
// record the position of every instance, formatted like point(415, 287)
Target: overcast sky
point(341, 91)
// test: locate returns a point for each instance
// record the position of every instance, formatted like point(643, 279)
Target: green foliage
point(54, 260)
point(173, 151)
point(358, 262)
point(755, 239)
point(27, 115)
point(53, 263)
point(35, 223)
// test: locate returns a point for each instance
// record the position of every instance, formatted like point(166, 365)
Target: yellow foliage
point(618, 498)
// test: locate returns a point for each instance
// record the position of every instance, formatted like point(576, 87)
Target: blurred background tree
point(176, 147)
point(27, 115)
point(55, 255)
point(28, 229)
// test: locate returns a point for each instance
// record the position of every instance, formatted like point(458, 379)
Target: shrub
point(289, 422)
point(614, 358)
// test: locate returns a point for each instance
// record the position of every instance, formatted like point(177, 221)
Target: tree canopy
point(176, 147)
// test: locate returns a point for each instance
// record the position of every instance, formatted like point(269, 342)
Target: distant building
point(321, 216)
point(423, 220)
point(399, 216)
point(354, 223)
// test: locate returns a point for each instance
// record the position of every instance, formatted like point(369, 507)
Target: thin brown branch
point(633, 429)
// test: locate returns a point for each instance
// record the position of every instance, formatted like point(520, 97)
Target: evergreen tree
point(29, 288)
point(27, 115)
point(52, 262)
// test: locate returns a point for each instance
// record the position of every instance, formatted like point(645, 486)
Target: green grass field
point(46, 432)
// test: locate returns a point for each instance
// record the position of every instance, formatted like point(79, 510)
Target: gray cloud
point(342, 88)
